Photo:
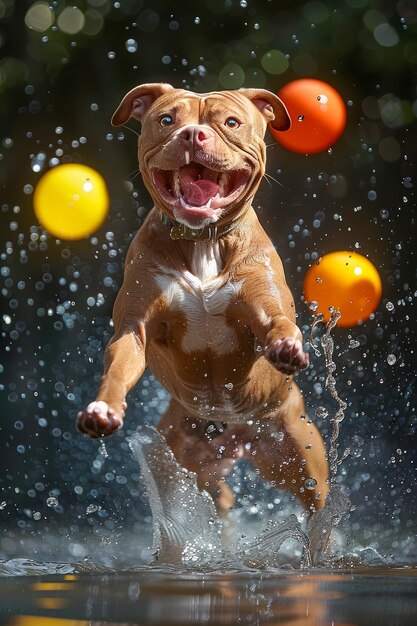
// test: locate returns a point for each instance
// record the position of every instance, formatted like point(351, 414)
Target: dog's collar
point(207, 234)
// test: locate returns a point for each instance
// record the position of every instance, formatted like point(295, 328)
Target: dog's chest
point(202, 298)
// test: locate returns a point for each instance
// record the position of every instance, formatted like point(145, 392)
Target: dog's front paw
point(287, 355)
point(99, 420)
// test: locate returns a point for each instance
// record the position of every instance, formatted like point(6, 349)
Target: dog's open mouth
point(197, 190)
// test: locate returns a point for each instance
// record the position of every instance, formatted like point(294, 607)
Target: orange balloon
point(346, 281)
point(318, 116)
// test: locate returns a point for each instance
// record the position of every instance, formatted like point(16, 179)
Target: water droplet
point(310, 483)
point(38, 162)
point(391, 359)
point(37, 516)
point(197, 20)
point(389, 306)
point(300, 118)
point(92, 508)
point(313, 306)
point(103, 449)
point(321, 412)
point(111, 55)
point(52, 502)
point(131, 45)
point(322, 99)
point(243, 4)
point(229, 386)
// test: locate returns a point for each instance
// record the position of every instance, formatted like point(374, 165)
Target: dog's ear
point(137, 101)
point(272, 108)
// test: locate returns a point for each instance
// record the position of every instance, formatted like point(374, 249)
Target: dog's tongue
point(197, 192)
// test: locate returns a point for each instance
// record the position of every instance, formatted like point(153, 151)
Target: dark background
point(58, 90)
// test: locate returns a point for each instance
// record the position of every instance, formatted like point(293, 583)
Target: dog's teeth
point(176, 184)
point(187, 157)
point(222, 183)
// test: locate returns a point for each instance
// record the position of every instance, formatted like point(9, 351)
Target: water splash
point(262, 551)
point(327, 343)
point(337, 505)
point(28, 567)
point(185, 525)
point(322, 522)
point(186, 528)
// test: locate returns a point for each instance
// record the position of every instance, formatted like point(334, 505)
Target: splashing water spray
point(337, 505)
point(186, 528)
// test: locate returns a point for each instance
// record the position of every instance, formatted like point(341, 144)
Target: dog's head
point(202, 156)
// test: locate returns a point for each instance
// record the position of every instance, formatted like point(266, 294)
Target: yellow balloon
point(71, 201)
point(346, 281)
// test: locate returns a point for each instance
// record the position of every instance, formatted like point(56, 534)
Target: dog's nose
point(194, 136)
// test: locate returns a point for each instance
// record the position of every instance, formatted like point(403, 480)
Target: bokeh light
point(39, 17)
point(274, 62)
point(231, 76)
point(71, 20)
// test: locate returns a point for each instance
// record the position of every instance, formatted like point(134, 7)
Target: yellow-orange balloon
point(71, 201)
point(346, 281)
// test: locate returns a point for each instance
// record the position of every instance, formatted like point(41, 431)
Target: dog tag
point(177, 231)
point(181, 231)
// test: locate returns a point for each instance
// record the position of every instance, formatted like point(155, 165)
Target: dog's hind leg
point(289, 450)
point(206, 448)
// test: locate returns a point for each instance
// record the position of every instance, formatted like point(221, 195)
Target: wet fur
point(215, 322)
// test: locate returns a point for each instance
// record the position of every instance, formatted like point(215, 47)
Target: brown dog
point(204, 301)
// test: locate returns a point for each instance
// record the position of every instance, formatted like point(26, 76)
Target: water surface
point(149, 595)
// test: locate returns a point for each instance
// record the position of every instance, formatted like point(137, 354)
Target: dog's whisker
point(267, 176)
point(133, 174)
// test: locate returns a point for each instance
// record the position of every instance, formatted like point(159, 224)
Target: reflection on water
point(386, 597)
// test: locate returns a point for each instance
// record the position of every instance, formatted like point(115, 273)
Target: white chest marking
point(202, 297)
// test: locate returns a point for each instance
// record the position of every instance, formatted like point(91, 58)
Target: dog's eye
point(232, 122)
point(166, 120)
